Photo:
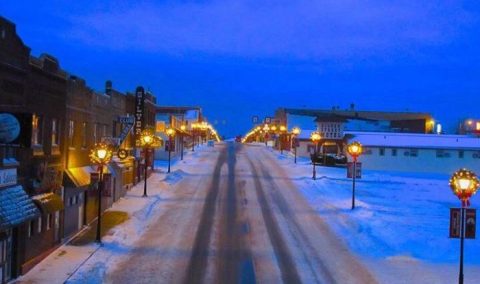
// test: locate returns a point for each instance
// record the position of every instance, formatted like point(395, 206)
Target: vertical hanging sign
point(139, 113)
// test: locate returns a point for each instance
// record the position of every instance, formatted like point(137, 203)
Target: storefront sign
point(9, 128)
point(127, 122)
point(139, 113)
point(8, 177)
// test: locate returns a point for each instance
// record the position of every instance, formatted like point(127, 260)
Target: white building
point(408, 152)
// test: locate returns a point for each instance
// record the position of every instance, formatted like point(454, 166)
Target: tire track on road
point(235, 263)
point(282, 253)
point(199, 259)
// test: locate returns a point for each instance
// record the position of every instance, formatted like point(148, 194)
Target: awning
point(48, 202)
point(16, 207)
point(80, 176)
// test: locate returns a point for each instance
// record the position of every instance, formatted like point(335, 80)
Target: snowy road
point(237, 220)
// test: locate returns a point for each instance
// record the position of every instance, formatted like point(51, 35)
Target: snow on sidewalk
point(64, 263)
point(400, 224)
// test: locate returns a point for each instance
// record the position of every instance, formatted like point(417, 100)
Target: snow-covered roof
point(415, 140)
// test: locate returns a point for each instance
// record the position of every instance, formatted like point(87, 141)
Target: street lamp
point(101, 154)
point(295, 131)
point(266, 128)
point(194, 130)
point(464, 184)
point(315, 137)
point(283, 130)
point(183, 128)
point(146, 138)
point(355, 150)
point(171, 133)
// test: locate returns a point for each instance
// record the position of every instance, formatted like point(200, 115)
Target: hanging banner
point(470, 223)
point(139, 114)
point(455, 219)
point(358, 169)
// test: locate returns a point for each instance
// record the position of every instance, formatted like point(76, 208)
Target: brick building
point(33, 91)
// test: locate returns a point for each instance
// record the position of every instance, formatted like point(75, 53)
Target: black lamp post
point(171, 133)
point(464, 184)
point(147, 139)
point(295, 131)
point(283, 130)
point(183, 127)
point(315, 137)
point(101, 155)
point(355, 150)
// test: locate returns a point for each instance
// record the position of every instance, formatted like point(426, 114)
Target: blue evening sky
point(242, 58)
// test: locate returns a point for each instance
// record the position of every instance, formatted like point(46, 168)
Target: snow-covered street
point(246, 214)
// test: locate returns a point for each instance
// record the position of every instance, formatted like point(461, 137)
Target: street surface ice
point(400, 225)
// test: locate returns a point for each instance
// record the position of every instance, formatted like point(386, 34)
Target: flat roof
point(415, 140)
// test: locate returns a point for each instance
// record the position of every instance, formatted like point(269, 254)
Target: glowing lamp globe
point(170, 132)
point(296, 131)
point(283, 128)
point(101, 154)
point(315, 137)
point(274, 128)
point(464, 184)
point(355, 149)
point(183, 127)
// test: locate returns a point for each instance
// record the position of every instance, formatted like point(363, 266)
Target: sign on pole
point(455, 219)
point(139, 113)
point(470, 223)
point(358, 169)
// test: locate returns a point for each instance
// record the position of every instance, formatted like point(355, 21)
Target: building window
point(413, 153)
point(443, 154)
point(3, 33)
point(70, 201)
point(95, 133)
point(461, 154)
point(71, 133)
point(49, 221)
point(55, 132)
point(36, 130)
point(394, 152)
point(84, 135)
point(476, 155)
point(382, 151)
point(104, 132)
point(39, 225)
point(30, 229)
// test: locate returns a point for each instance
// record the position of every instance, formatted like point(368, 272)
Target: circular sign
point(9, 128)
point(122, 154)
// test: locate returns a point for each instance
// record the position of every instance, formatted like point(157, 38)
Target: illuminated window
point(478, 125)
point(49, 221)
point(71, 132)
point(36, 129)
point(95, 133)
point(55, 132)
point(84, 135)
point(39, 225)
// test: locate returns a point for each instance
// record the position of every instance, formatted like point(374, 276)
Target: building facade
point(32, 89)
point(417, 153)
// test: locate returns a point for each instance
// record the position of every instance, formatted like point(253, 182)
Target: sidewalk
point(126, 220)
